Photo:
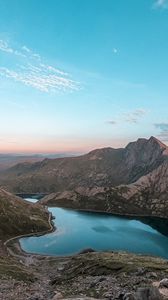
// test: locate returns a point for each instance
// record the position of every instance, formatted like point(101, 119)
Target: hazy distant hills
point(9, 160)
point(105, 168)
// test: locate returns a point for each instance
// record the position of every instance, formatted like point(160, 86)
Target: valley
point(100, 188)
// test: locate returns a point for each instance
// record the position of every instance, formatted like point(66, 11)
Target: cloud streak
point(30, 70)
point(161, 4)
point(134, 116)
point(111, 122)
point(129, 117)
point(163, 127)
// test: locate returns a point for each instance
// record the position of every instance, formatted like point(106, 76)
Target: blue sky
point(77, 75)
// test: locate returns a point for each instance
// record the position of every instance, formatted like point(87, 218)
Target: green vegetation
point(9, 268)
point(20, 217)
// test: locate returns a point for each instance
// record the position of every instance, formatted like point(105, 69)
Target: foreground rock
point(146, 293)
point(164, 283)
point(92, 275)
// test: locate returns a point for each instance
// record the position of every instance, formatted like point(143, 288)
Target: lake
point(76, 230)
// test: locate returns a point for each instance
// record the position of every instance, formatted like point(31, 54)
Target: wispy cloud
point(111, 122)
point(5, 48)
point(163, 127)
point(7, 141)
point(129, 117)
point(134, 116)
point(30, 70)
point(161, 4)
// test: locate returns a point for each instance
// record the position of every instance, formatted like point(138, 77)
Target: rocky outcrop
point(105, 167)
point(105, 275)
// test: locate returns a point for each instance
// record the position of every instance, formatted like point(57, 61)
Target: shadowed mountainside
point(18, 216)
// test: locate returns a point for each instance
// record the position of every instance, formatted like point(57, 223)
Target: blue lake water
point(80, 230)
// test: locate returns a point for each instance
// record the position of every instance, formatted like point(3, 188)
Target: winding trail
point(28, 257)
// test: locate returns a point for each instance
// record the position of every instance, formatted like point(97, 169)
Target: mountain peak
point(155, 140)
point(152, 142)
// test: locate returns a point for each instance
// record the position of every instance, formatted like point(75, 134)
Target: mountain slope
point(105, 167)
point(9, 160)
point(148, 196)
point(18, 216)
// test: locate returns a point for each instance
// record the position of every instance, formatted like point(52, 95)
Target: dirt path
point(27, 258)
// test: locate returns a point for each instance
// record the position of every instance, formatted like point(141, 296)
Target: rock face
point(146, 197)
point(105, 167)
point(18, 216)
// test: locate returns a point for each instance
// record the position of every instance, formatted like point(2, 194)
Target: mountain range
point(9, 160)
point(130, 180)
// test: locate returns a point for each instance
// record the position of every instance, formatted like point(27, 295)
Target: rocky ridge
point(105, 167)
point(146, 196)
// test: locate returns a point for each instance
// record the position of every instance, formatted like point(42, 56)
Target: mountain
point(105, 167)
point(18, 216)
point(9, 160)
point(148, 196)
point(133, 180)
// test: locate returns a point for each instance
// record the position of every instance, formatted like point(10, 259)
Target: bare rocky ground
point(106, 275)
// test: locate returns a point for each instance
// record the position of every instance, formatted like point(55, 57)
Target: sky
point(82, 74)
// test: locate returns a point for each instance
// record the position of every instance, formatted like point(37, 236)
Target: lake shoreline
point(110, 213)
point(14, 247)
point(54, 272)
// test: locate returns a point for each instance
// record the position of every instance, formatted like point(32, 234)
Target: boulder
point(163, 283)
point(148, 293)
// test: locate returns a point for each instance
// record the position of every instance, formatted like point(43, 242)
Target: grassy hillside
point(18, 216)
